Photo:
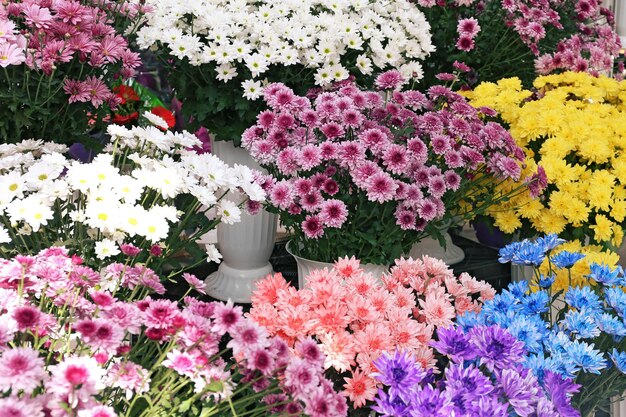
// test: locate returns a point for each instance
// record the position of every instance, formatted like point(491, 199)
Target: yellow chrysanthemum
point(603, 228)
point(576, 131)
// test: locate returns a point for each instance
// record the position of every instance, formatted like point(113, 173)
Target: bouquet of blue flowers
point(577, 333)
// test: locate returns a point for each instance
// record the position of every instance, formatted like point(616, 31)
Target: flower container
point(306, 266)
point(246, 246)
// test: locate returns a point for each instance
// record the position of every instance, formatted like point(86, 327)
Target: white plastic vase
point(451, 254)
point(306, 266)
point(245, 246)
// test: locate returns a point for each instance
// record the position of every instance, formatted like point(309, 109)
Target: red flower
point(126, 93)
point(120, 119)
point(164, 114)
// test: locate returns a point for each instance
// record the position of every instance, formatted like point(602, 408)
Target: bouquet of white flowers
point(148, 195)
point(223, 49)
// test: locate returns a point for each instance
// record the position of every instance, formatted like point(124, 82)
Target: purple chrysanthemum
point(399, 372)
point(455, 343)
point(496, 347)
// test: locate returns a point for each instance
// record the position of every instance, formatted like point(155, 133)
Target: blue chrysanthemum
point(581, 324)
point(549, 242)
point(619, 359)
point(566, 259)
point(536, 303)
point(612, 325)
point(583, 298)
point(586, 357)
point(606, 275)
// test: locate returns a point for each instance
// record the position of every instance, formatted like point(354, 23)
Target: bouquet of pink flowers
point(358, 321)
point(369, 173)
point(75, 342)
point(60, 59)
point(494, 39)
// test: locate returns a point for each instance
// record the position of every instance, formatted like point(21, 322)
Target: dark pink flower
point(98, 91)
point(333, 213)
point(465, 43)
point(380, 187)
point(468, 27)
point(77, 90)
point(27, 317)
point(390, 80)
point(313, 227)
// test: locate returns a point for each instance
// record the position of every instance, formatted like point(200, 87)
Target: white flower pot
point(451, 254)
point(306, 266)
point(245, 246)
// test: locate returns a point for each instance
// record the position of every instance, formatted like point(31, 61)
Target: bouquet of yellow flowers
point(572, 126)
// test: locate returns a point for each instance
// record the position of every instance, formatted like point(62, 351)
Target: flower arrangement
point(60, 60)
point(569, 125)
point(365, 174)
point(577, 332)
point(222, 51)
point(356, 317)
point(76, 342)
point(135, 99)
point(490, 40)
point(147, 196)
point(483, 376)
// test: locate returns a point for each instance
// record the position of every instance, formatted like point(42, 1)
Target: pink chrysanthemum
point(21, 369)
point(313, 227)
point(333, 213)
point(380, 187)
point(390, 80)
point(359, 388)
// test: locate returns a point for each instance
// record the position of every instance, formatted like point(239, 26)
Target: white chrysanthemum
point(106, 248)
point(252, 90)
point(129, 190)
point(12, 185)
point(228, 212)
point(4, 235)
point(157, 121)
point(103, 215)
point(213, 255)
point(41, 174)
point(154, 227)
point(117, 131)
point(306, 32)
point(32, 210)
point(131, 219)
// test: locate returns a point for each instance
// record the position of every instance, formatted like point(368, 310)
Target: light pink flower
point(11, 54)
point(77, 377)
point(14, 407)
point(181, 362)
point(195, 283)
point(98, 411)
point(21, 369)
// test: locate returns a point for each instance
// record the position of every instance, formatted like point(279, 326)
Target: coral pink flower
point(331, 317)
point(437, 311)
point(375, 337)
point(295, 321)
point(339, 349)
point(359, 388)
point(268, 288)
point(347, 267)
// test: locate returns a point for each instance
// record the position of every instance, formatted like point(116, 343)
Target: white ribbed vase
point(451, 254)
point(245, 246)
point(306, 266)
